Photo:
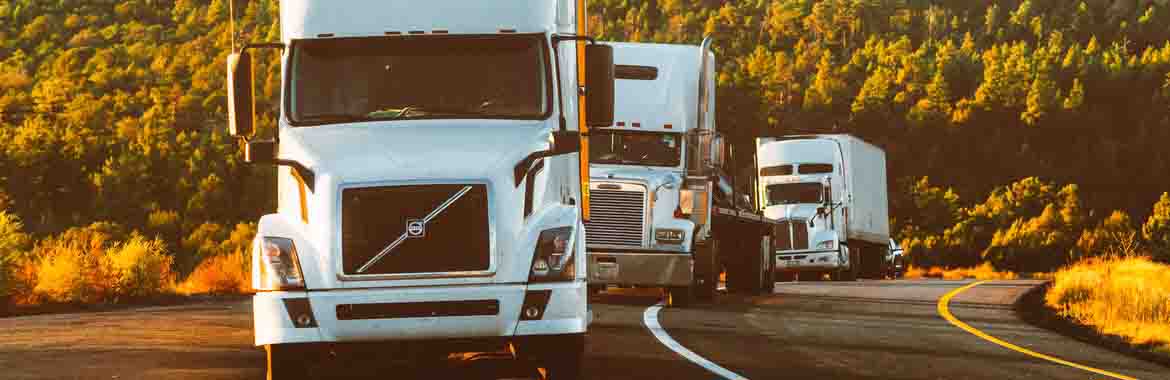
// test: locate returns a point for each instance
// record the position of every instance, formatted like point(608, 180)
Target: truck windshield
point(635, 148)
point(794, 193)
point(423, 77)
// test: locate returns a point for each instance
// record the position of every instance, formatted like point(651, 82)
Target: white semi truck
point(663, 210)
point(431, 182)
point(829, 194)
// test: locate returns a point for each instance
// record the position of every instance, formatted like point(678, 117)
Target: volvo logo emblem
point(416, 228)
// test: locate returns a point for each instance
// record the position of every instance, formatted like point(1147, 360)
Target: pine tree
point(1042, 98)
point(935, 108)
point(1156, 231)
point(1075, 98)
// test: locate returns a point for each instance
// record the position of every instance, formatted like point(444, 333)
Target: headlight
point(827, 244)
point(668, 236)
point(280, 269)
point(553, 259)
point(686, 201)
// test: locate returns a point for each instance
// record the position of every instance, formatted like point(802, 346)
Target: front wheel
point(767, 270)
point(679, 296)
point(560, 357)
point(850, 273)
point(286, 362)
point(706, 270)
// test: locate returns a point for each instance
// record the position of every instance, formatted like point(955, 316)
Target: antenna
point(232, 23)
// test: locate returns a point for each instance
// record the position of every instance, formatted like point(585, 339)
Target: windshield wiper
point(418, 111)
point(331, 118)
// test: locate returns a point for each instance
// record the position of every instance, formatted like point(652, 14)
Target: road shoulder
point(1031, 309)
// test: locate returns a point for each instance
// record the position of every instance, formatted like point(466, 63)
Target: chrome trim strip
point(401, 238)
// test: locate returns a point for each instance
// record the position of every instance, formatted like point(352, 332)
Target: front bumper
point(808, 260)
point(644, 268)
point(424, 313)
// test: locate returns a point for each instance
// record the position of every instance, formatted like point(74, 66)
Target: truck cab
point(829, 193)
point(795, 182)
point(658, 178)
point(638, 235)
point(431, 183)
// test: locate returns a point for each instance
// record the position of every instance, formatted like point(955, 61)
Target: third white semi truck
point(829, 194)
point(663, 211)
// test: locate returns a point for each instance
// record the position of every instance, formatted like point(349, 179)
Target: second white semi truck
point(829, 193)
point(663, 211)
point(432, 184)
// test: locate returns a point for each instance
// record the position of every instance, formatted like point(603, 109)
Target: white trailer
point(431, 182)
point(830, 194)
point(659, 219)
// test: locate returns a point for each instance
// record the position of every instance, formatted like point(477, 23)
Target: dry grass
point(1127, 297)
point(222, 274)
point(982, 272)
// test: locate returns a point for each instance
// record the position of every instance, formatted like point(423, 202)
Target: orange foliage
point(222, 274)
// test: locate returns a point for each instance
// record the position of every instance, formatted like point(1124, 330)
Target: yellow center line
point(945, 311)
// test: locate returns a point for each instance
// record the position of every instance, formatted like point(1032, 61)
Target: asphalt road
point(807, 330)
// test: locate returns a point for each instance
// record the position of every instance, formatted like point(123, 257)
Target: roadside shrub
point(981, 272)
point(164, 224)
point(140, 267)
point(70, 267)
point(201, 243)
point(222, 274)
point(227, 264)
point(13, 242)
point(1127, 297)
point(1113, 237)
point(1156, 231)
point(89, 265)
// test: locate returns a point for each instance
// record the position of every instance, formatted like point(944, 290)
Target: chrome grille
point(799, 234)
point(793, 235)
point(617, 217)
point(784, 240)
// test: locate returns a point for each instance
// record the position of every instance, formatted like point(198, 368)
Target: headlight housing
point(280, 268)
point(827, 244)
point(669, 236)
point(686, 202)
point(553, 259)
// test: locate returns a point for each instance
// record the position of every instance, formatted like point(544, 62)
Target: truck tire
point(706, 271)
point(746, 273)
point(286, 362)
point(559, 356)
point(679, 296)
point(768, 285)
point(850, 273)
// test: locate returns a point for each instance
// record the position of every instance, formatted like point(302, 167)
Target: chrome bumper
point(807, 260)
point(640, 268)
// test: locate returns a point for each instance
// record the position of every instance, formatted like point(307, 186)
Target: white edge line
point(650, 318)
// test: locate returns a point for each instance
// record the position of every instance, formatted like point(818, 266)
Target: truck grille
point(454, 240)
point(793, 235)
point(617, 218)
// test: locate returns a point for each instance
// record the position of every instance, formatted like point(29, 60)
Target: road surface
point(807, 330)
